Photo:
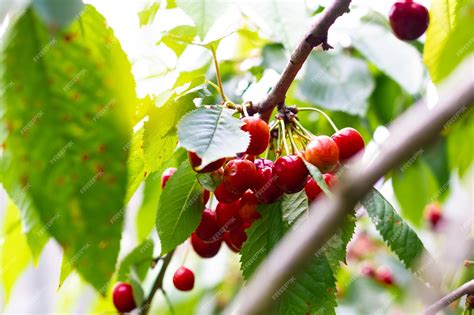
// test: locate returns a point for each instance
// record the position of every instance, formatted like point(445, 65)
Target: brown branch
point(418, 127)
point(316, 36)
point(157, 285)
point(466, 288)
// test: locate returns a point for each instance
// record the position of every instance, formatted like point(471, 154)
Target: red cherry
point(227, 215)
point(205, 250)
point(265, 188)
point(409, 20)
point(323, 153)
point(195, 162)
point(225, 196)
point(259, 134)
point(183, 279)
point(433, 214)
point(205, 196)
point(384, 275)
point(208, 230)
point(312, 188)
point(248, 207)
point(239, 175)
point(165, 177)
point(368, 271)
point(229, 244)
point(122, 297)
point(237, 237)
point(349, 142)
point(291, 173)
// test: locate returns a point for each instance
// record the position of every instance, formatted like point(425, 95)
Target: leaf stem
point(218, 74)
point(333, 125)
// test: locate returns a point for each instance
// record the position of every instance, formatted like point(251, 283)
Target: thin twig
point(466, 288)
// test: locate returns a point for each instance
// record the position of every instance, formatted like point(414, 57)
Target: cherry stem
point(302, 128)
point(273, 125)
point(283, 129)
point(186, 254)
point(244, 109)
point(333, 125)
point(301, 134)
point(218, 74)
point(213, 85)
point(292, 140)
point(278, 151)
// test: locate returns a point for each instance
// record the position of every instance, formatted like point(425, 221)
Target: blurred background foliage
point(365, 82)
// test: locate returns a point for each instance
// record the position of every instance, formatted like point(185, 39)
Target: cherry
point(227, 215)
point(237, 237)
point(229, 243)
point(265, 188)
point(409, 20)
point(165, 177)
point(239, 175)
point(433, 214)
point(368, 271)
point(248, 207)
point(225, 196)
point(312, 188)
point(349, 142)
point(291, 173)
point(205, 196)
point(208, 230)
point(195, 162)
point(323, 153)
point(259, 134)
point(384, 275)
point(183, 279)
point(122, 297)
point(205, 250)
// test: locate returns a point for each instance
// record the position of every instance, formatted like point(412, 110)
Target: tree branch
point(157, 285)
point(466, 288)
point(316, 36)
point(414, 129)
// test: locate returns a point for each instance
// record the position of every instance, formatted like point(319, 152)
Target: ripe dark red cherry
point(248, 208)
point(349, 142)
point(205, 196)
point(208, 230)
point(265, 188)
point(122, 297)
point(291, 173)
point(227, 215)
point(195, 162)
point(409, 20)
point(312, 188)
point(205, 250)
point(225, 196)
point(323, 153)
point(239, 175)
point(229, 244)
point(433, 214)
point(165, 177)
point(237, 237)
point(259, 134)
point(384, 275)
point(368, 271)
point(183, 279)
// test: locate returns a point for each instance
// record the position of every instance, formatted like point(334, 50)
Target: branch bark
point(411, 131)
point(316, 36)
point(466, 288)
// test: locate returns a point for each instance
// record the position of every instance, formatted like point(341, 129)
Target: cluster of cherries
point(409, 20)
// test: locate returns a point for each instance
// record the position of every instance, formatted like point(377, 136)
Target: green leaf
point(294, 206)
point(179, 209)
point(318, 177)
point(136, 168)
point(212, 133)
point(460, 155)
point(66, 269)
point(160, 134)
point(147, 15)
point(449, 36)
point(203, 12)
point(209, 181)
point(395, 232)
point(335, 248)
point(415, 186)
point(14, 252)
point(336, 82)
point(138, 261)
point(397, 59)
point(285, 21)
point(69, 120)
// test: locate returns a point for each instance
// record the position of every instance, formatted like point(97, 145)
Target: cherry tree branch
point(316, 36)
point(466, 288)
point(157, 285)
point(417, 127)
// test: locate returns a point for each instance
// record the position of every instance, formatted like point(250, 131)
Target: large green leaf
point(449, 36)
point(138, 261)
point(68, 118)
point(14, 252)
point(395, 232)
point(313, 289)
point(399, 60)
point(212, 133)
point(336, 82)
point(137, 171)
point(460, 152)
point(415, 186)
point(179, 209)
